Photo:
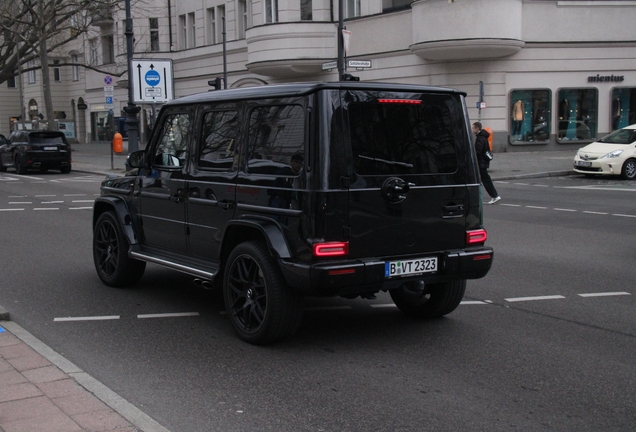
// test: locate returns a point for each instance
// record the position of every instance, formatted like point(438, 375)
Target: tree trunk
point(46, 85)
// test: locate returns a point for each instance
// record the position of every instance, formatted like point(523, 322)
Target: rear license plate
point(583, 164)
point(410, 267)
point(50, 148)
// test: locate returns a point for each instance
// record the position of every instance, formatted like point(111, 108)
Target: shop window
point(577, 114)
point(623, 107)
point(530, 116)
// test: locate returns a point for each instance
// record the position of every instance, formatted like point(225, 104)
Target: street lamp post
point(341, 64)
point(131, 109)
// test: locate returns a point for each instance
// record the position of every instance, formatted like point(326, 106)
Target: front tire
point(440, 299)
point(262, 308)
point(110, 254)
point(629, 169)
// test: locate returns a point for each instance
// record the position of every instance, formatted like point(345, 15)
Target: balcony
point(103, 17)
point(287, 50)
point(475, 29)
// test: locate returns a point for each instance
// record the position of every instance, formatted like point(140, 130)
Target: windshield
point(621, 136)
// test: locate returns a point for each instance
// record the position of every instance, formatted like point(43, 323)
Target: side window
point(171, 149)
point(218, 141)
point(276, 137)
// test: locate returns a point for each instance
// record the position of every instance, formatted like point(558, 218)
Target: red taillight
point(331, 249)
point(401, 101)
point(476, 236)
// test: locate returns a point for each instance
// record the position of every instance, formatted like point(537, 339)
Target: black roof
point(304, 88)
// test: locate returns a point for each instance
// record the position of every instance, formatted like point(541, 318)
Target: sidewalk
point(96, 158)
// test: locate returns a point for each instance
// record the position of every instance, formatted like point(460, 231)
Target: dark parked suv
point(37, 149)
point(278, 192)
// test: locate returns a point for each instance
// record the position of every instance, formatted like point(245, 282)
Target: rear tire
point(262, 308)
point(629, 169)
point(110, 254)
point(65, 169)
point(441, 299)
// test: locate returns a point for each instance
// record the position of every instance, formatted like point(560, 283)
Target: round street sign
point(152, 78)
point(108, 80)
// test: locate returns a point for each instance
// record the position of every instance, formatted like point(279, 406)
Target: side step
point(206, 271)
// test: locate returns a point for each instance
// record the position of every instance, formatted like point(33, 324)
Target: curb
point(4, 315)
point(536, 175)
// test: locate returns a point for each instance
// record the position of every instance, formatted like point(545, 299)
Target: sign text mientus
point(606, 78)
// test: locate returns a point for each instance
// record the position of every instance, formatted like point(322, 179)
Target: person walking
point(481, 147)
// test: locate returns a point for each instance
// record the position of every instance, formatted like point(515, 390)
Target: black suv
point(278, 192)
point(38, 149)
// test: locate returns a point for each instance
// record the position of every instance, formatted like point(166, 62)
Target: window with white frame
point(192, 25)
point(211, 16)
point(153, 24)
point(93, 59)
point(306, 10)
point(75, 61)
point(271, 11)
point(242, 19)
point(31, 73)
point(352, 8)
point(220, 16)
point(183, 27)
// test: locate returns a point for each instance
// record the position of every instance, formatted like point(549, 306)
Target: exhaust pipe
point(203, 283)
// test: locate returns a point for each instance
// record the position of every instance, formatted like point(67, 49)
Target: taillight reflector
point(482, 257)
point(476, 236)
point(401, 101)
point(331, 249)
point(341, 272)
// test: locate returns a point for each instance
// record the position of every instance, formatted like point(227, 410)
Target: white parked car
point(614, 154)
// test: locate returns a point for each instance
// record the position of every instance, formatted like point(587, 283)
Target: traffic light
point(217, 83)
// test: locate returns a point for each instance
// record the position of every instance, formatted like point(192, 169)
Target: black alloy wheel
point(438, 300)
point(110, 254)
point(262, 308)
point(629, 169)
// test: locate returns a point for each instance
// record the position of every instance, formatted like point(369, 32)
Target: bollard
point(118, 143)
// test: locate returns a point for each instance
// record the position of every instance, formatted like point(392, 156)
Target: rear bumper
point(46, 159)
point(367, 275)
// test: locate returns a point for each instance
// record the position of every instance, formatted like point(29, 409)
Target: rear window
point(402, 135)
point(45, 139)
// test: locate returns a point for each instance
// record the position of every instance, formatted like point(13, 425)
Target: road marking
point(565, 210)
point(605, 294)
point(520, 299)
point(13, 209)
point(540, 185)
point(43, 196)
point(593, 212)
point(89, 318)
point(20, 202)
point(46, 208)
point(537, 207)
point(511, 205)
point(83, 201)
point(168, 315)
point(522, 184)
point(474, 302)
point(80, 208)
point(52, 202)
point(74, 195)
point(624, 215)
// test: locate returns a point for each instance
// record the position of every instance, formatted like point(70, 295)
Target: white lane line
point(537, 207)
point(20, 202)
point(46, 208)
point(74, 195)
point(83, 201)
point(624, 215)
point(605, 294)
point(510, 205)
point(522, 184)
point(328, 308)
point(593, 212)
point(474, 302)
point(565, 210)
point(42, 196)
point(88, 318)
point(80, 208)
point(168, 315)
point(540, 185)
point(17, 196)
point(520, 299)
point(52, 202)
point(13, 209)
point(386, 305)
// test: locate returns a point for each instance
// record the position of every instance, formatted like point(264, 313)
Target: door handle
point(178, 196)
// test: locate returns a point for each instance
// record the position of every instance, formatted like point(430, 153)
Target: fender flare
point(270, 230)
point(119, 206)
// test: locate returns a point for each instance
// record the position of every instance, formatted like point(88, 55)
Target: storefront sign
point(606, 78)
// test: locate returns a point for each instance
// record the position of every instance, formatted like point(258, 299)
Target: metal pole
point(224, 58)
point(341, 61)
point(131, 109)
point(22, 113)
point(481, 98)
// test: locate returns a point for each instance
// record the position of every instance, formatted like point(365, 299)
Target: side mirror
point(135, 160)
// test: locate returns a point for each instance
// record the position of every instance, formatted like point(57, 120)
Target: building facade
point(542, 74)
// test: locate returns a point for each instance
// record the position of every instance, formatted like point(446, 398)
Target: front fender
point(120, 208)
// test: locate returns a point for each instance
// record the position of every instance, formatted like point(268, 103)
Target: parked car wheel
point(19, 166)
point(440, 299)
point(2, 168)
point(629, 169)
point(110, 253)
point(65, 169)
point(262, 308)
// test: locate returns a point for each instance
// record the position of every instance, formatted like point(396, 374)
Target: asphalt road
point(545, 342)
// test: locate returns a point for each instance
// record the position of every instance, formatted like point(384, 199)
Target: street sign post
point(152, 81)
